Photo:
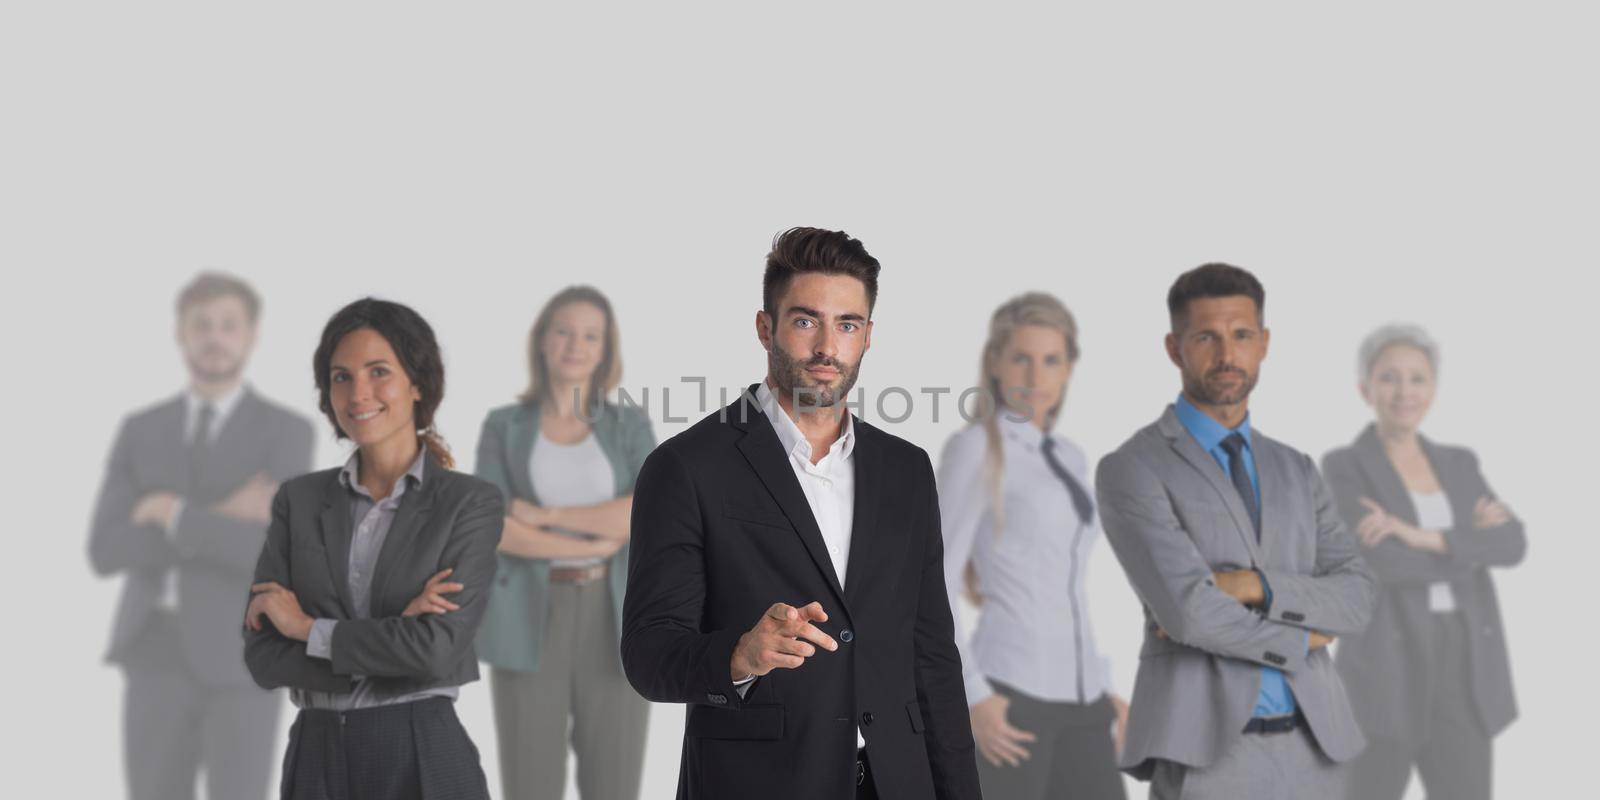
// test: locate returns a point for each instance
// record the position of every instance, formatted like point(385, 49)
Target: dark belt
point(1282, 724)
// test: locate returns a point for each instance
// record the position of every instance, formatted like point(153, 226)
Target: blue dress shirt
point(1275, 699)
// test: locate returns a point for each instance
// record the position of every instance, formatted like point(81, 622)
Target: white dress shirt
point(1033, 630)
point(829, 486)
point(221, 409)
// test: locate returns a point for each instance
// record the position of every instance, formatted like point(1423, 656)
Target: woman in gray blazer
point(565, 460)
point(374, 578)
point(1430, 678)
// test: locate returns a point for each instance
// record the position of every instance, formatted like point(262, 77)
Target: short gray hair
point(1390, 335)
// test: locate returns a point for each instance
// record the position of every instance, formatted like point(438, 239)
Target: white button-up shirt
point(829, 486)
point(1033, 631)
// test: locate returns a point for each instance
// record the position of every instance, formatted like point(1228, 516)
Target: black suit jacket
point(451, 520)
point(213, 554)
point(721, 530)
point(1386, 668)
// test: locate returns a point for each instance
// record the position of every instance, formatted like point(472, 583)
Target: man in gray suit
point(182, 514)
point(1246, 572)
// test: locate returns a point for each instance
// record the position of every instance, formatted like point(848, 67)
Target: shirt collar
point(1208, 432)
point(350, 474)
point(1019, 429)
point(789, 433)
point(221, 407)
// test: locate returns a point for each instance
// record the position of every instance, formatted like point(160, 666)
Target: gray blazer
point(1386, 667)
point(1173, 518)
point(451, 520)
point(514, 624)
point(213, 554)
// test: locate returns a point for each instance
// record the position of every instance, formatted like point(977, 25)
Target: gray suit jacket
point(1387, 666)
point(213, 554)
point(451, 520)
point(1173, 518)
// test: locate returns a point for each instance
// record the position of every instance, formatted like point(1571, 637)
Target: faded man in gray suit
point(182, 514)
point(1245, 568)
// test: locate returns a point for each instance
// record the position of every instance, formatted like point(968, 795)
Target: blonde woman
point(1019, 526)
point(565, 459)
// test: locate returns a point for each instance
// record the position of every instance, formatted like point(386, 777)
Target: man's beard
point(200, 368)
point(1202, 391)
point(792, 381)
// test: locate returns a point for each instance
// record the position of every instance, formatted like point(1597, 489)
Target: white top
point(575, 474)
point(1033, 630)
point(829, 486)
point(1433, 513)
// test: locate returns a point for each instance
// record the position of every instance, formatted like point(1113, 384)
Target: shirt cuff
point(743, 687)
point(978, 689)
point(1308, 641)
point(320, 643)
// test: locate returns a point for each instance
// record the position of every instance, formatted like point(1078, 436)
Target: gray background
point(1428, 162)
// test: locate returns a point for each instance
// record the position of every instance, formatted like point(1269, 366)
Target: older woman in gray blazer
point(1430, 678)
point(565, 460)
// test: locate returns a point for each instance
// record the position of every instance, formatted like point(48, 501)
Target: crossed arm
point(1199, 607)
point(426, 641)
point(1401, 553)
point(135, 528)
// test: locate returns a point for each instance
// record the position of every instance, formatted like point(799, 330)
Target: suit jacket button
point(1294, 616)
point(847, 636)
point(866, 718)
point(718, 699)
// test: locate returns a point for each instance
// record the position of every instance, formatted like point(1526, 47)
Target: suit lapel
point(230, 437)
point(524, 428)
point(1453, 482)
point(171, 446)
point(336, 530)
point(1382, 477)
point(761, 448)
point(866, 546)
point(1272, 475)
point(1190, 451)
point(415, 508)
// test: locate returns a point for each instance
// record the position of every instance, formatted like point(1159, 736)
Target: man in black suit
point(787, 577)
point(182, 513)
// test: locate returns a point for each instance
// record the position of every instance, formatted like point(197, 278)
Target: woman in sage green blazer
point(565, 458)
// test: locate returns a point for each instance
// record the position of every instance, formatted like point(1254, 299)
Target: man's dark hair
point(802, 250)
point(208, 286)
point(1213, 280)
